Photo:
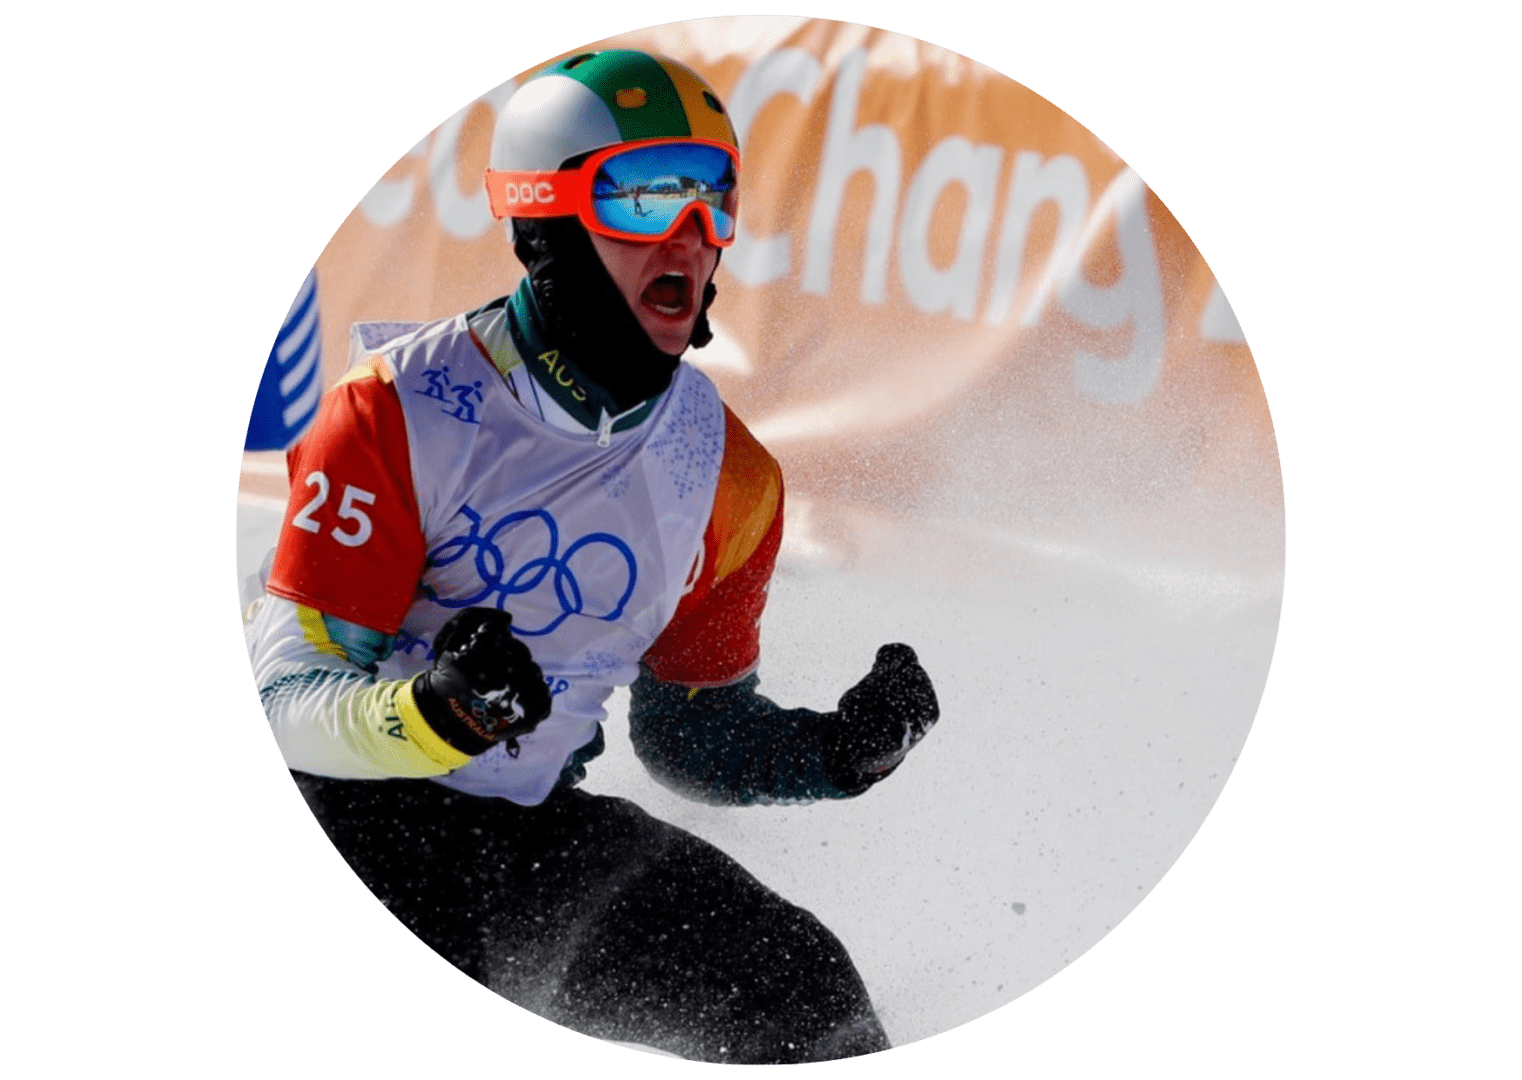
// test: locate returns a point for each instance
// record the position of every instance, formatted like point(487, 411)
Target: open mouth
point(669, 294)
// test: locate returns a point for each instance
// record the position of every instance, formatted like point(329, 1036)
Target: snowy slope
point(1092, 706)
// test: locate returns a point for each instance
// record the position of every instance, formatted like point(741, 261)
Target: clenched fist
point(879, 720)
point(484, 687)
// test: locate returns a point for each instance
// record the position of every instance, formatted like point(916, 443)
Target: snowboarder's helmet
point(630, 143)
point(597, 99)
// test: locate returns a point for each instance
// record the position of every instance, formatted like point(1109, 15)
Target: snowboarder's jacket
point(457, 464)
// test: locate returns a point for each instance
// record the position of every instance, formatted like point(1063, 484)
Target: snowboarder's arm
point(714, 638)
point(728, 744)
point(696, 720)
point(331, 716)
point(345, 571)
point(732, 745)
point(351, 543)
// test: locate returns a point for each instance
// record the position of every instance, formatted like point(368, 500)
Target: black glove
point(484, 687)
point(878, 721)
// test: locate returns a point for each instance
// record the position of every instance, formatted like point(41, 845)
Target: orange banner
point(949, 300)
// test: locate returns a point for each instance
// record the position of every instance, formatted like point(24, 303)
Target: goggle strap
point(533, 194)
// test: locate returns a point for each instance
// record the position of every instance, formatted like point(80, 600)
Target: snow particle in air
point(1018, 907)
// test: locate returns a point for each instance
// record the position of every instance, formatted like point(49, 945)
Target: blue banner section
point(292, 384)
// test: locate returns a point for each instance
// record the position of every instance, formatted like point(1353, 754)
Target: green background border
point(171, 904)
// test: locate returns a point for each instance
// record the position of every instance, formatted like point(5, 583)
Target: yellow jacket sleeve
point(329, 716)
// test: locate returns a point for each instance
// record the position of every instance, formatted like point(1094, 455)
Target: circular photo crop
point(761, 538)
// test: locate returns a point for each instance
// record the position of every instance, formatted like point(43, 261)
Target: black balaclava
point(586, 317)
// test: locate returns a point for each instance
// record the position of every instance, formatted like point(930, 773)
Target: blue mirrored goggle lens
point(646, 189)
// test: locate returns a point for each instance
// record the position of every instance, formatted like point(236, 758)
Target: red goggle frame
point(637, 210)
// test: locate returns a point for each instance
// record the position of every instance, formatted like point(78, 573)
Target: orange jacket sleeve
point(714, 638)
point(351, 544)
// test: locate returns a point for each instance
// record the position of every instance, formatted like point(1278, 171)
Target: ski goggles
point(641, 191)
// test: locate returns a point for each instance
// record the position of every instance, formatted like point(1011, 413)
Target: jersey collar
point(584, 401)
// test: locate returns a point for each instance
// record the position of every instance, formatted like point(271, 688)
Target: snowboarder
point(450, 604)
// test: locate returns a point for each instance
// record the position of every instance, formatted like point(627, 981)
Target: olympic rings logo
point(498, 583)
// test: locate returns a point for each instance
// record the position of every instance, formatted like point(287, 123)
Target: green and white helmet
point(598, 99)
